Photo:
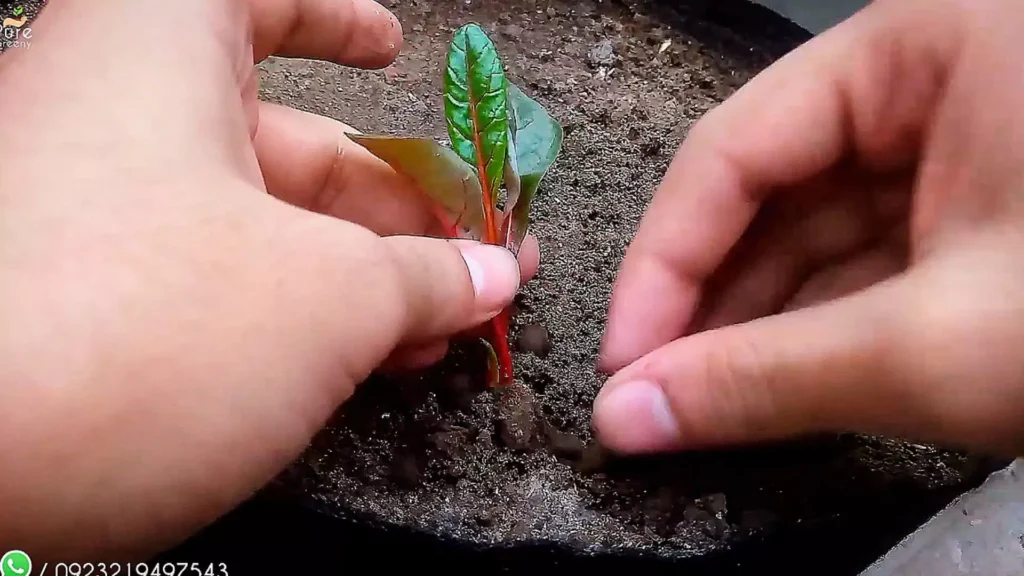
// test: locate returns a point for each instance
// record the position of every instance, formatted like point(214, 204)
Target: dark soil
point(438, 453)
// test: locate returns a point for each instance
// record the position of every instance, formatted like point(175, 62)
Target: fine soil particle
point(439, 453)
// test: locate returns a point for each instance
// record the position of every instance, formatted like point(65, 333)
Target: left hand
point(176, 334)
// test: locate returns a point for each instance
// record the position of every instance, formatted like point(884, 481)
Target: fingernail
point(494, 272)
point(636, 417)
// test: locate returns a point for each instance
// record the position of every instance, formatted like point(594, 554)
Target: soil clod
point(564, 445)
point(517, 421)
point(535, 340)
point(602, 55)
point(594, 458)
point(450, 443)
point(711, 525)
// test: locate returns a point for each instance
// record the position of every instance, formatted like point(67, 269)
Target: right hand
point(868, 191)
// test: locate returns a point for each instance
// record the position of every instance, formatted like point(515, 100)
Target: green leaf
point(537, 141)
point(19, 10)
point(493, 374)
point(512, 182)
point(475, 105)
point(439, 173)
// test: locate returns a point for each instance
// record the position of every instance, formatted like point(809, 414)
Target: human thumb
point(448, 286)
point(831, 367)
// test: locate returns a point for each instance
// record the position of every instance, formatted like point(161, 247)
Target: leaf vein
point(461, 131)
point(453, 77)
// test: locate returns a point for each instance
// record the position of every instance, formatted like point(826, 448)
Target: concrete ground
point(982, 533)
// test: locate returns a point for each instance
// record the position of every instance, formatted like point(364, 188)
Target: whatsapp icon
point(15, 563)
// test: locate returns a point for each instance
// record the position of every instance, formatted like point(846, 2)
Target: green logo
point(19, 10)
point(15, 563)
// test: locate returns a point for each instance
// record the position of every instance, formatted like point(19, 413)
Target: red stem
point(499, 324)
point(501, 321)
point(501, 348)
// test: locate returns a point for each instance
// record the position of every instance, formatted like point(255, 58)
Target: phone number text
point(135, 569)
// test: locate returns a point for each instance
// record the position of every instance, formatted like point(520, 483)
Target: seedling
point(503, 143)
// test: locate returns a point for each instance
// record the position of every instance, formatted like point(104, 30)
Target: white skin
point(838, 247)
point(192, 281)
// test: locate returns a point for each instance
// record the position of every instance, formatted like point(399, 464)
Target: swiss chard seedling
point(503, 143)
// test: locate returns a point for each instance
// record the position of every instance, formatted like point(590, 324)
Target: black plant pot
point(280, 532)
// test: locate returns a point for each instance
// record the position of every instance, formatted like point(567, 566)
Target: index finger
point(865, 87)
point(359, 33)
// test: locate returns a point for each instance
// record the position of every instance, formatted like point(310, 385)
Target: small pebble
point(485, 518)
point(534, 339)
point(603, 54)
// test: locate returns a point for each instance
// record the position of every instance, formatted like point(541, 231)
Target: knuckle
point(391, 284)
point(425, 279)
point(739, 386)
point(351, 264)
point(337, 178)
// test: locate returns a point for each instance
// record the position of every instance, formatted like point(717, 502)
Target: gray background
point(815, 15)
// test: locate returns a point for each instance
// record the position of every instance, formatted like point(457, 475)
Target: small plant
point(499, 137)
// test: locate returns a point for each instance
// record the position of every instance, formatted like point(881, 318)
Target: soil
point(437, 452)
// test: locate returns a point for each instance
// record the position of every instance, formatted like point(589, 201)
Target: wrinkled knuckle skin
point(738, 389)
point(389, 280)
